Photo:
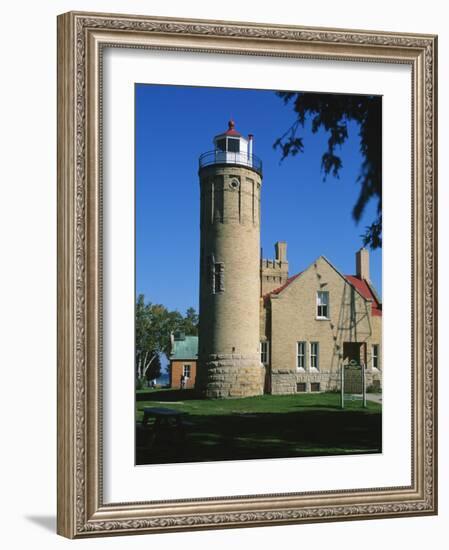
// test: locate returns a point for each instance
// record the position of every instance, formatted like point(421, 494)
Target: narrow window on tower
point(217, 277)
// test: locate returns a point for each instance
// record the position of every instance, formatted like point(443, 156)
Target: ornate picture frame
point(82, 38)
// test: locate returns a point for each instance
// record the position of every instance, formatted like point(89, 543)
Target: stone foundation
point(285, 381)
point(230, 375)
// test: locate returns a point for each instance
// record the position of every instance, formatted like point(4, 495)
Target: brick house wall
point(292, 317)
point(176, 371)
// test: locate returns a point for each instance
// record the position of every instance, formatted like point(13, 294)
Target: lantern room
point(231, 147)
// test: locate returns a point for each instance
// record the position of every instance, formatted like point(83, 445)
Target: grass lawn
point(267, 426)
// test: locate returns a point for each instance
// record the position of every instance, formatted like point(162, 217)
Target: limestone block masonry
point(233, 376)
point(229, 345)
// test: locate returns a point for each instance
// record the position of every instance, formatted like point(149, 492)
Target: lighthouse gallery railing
point(228, 157)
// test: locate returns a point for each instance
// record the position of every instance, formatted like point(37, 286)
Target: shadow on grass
point(264, 435)
point(167, 395)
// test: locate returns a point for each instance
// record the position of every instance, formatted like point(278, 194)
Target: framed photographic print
point(247, 274)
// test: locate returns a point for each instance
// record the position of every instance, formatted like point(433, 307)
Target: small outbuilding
point(183, 360)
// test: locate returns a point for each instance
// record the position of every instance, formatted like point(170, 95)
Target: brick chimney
point(281, 251)
point(362, 264)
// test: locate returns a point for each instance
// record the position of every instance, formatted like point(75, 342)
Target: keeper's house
point(316, 321)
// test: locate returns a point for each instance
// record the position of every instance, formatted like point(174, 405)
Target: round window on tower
point(234, 183)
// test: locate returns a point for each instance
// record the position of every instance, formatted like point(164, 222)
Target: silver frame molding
point(81, 38)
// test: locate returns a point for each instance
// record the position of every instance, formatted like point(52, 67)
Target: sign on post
point(353, 382)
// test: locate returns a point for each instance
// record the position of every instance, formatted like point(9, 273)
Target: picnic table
point(166, 421)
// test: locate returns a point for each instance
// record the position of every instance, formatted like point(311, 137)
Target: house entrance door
point(352, 351)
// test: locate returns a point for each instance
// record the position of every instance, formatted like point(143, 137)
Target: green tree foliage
point(332, 112)
point(190, 322)
point(154, 323)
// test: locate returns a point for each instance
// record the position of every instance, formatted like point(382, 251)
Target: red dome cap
point(231, 131)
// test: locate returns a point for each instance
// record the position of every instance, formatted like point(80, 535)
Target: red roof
point(231, 131)
point(359, 284)
point(365, 290)
point(281, 288)
point(287, 282)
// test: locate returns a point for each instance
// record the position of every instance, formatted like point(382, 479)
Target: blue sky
point(174, 125)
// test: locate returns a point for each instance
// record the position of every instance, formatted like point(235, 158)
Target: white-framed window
point(375, 356)
point(314, 355)
point(322, 304)
point(186, 371)
point(301, 355)
point(265, 352)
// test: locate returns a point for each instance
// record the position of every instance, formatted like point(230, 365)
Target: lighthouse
point(229, 342)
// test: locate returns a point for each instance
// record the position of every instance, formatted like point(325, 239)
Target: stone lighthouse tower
point(229, 342)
